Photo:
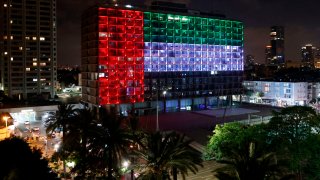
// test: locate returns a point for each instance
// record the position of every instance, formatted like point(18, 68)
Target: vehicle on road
point(26, 122)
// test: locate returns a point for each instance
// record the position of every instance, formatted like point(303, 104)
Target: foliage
point(111, 142)
point(293, 132)
point(290, 142)
point(20, 162)
point(231, 136)
point(165, 152)
point(248, 163)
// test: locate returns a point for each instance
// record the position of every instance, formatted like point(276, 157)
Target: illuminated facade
point(131, 56)
point(28, 48)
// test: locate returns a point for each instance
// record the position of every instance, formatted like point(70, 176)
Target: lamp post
point(5, 118)
point(164, 94)
point(164, 101)
point(157, 125)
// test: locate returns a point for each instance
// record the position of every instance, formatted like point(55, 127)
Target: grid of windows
point(120, 56)
point(186, 43)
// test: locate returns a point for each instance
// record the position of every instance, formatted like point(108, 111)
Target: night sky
point(301, 20)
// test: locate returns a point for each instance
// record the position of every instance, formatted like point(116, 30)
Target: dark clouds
point(300, 18)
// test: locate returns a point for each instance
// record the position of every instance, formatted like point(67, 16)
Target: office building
point(277, 45)
point(28, 48)
point(144, 56)
point(308, 53)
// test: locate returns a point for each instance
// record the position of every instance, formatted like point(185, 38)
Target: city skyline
point(258, 16)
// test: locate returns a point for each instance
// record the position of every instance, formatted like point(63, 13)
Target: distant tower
point(277, 45)
point(308, 53)
point(268, 55)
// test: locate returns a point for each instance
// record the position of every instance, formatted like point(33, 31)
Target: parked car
point(27, 122)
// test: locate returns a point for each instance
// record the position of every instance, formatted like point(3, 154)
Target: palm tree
point(165, 152)
point(82, 129)
point(111, 143)
point(247, 163)
point(61, 119)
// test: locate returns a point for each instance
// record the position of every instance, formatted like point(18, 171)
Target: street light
point(164, 94)
point(5, 118)
point(157, 125)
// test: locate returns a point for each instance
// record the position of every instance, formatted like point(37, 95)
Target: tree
point(225, 137)
point(247, 162)
point(83, 127)
point(111, 143)
point(61, 119)
point(165, 152)
point(292, 131)
point(244, 151)
point(18, 161)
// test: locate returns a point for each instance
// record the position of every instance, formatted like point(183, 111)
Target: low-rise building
point(278, 93)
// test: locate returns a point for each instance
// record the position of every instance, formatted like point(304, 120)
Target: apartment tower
point(28, 48)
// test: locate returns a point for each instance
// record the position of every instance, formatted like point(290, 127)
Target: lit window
point(42, 64)
point(34, 64)
point(5, 5)
point(27, 38)
point(11, 37)
point(11, 21)
point(5, 53)
point(20, 48)
point(5, 37)
point(35, 79)
point(43, 79)
point(49, 59)
point(42, 38)
point(27, 69)
point(34, 59)
point(34, 38)
point(11, 58)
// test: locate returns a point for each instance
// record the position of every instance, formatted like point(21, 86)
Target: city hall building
point(173, 57)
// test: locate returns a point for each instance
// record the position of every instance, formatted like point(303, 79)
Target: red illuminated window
point(121, 74)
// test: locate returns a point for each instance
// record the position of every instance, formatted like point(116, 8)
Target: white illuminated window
point(20, 48)
point(11, 58)
point(35, 79)
point(34, 64)
point(101, 74)
point(27, 69)
point(27, 38)
point(42, 39)
point(34, 38)
point(34, 59)
point(11, 37)
point(49, 59)
point(5, 37)
point(42, 64)
point(5, 53)
point(43, 79)
point(11, 21)
point(5, 5)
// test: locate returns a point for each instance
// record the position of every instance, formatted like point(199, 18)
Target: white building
point(279, 93)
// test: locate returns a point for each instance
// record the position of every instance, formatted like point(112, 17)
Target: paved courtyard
point(198, 125)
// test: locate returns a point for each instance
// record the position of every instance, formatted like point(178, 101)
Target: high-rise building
point(277, 45)
point(268, 55)
point(308, 53)
point(28, 47)
point(146, 57)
